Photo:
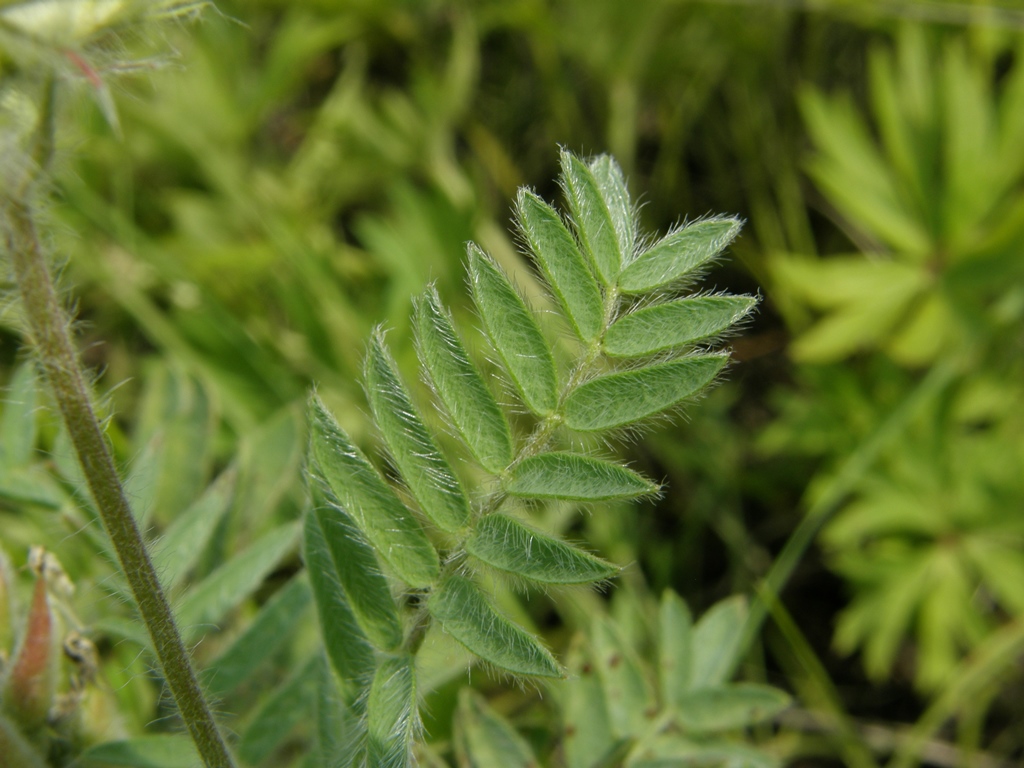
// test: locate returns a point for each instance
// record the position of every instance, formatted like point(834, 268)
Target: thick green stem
point(49, 329)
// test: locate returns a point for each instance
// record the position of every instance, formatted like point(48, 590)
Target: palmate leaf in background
point(421, 541)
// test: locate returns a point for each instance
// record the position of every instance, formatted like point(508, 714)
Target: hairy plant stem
point(49, 329)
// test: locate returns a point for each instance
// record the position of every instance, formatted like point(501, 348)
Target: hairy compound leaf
point(392, 718)
point(664, 326)
point(587, 737)
point(290, 704)
point(729, 707)
point(592, 218)
point(209, 601)
point(678, 254)
point(506, 544)
point(716, 642)
point(620, 399)
point(515, 333)
point(675, 646)
point(389, 526)
point(485, 739)
point(275, 623)
point(347, 647)
point(186, 538)
point(426, 472)
point(630, 698)
point(560, 259)
point(612, 187)
point(468, 616)
point(470, 404)
point(561, 475)
point(358, 571)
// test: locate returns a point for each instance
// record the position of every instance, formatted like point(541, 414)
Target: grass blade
point(506, 544)
point(673, 324)
point(620, 399)
point(515, 333)
point(392, 718)
point(468, 616)
point(388, 525)
point(678, 254)
point(426, 472)
point(18, 417)
point(592, 218)
point(286, 707)
point(561, 475)
point(559, 257)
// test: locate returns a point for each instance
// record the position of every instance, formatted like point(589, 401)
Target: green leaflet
point(612, 187)
point(630, 698)
point(459, 385)
point(484, 739)
point(515, 333)
point(664, 326)
point(506, 544)
point(587, 737)
point(426, 472)
point(392, 717)
point(675, 647)
point(673, 751)
point(729, 707)
point(678, 254)
point(347, 647)
point(357, 570)
point(211, 599)
point(561, 475)
point(468, 616)
point(623, 398)
point(591, 217)
point(164, 751)
point(279, 713)
point(559, 257)
point(340, 730)
point(275, 624)
point(716, 642)
point(388, 525)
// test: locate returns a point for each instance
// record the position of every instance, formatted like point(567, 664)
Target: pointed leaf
point(515, 333)
point(347, 647)
point(562, 475)
point(209, 601)
point(484, 739)
point(274, 625)
point(613, 190)
point(559, 257)
point(592, 218)
point(729, 707)
point(458, 383)
point(716, 642)
point(630, 698)
point(426, 472)
point(506, 544)
point(664, 326)
point(468, 616)
point(355, 565)
point(392, 718)
point(389, 526)
point(18, 417)
point(587, 735)
point(177, 551)
point(678, 254)
point(623, 398)
point(675, 647)
point(278, 714)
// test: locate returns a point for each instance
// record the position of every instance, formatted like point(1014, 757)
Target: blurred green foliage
point(301, 169)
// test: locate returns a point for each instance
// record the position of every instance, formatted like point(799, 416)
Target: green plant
point(387, 563)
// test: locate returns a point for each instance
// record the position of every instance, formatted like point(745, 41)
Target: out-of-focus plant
point(931, 191)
